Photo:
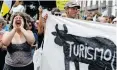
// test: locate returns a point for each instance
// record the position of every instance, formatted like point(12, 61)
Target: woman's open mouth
point(18, 22)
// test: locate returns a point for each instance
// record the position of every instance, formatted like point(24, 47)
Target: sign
point(71, 44)
point(60, 4)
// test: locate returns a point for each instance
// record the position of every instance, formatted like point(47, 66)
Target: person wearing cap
point(72, 10)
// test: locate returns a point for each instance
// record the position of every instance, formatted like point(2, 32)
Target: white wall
point(114, 8)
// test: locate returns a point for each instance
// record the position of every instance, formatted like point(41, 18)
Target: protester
point(18, 42)
point(89, 18)
point(102, 19)
point(40, 27)
point(56, 12)
point(17, 7)
point(2, 49)
point(72, 10)
point(6, 28)
point(36, 24)
point(111, 19)
point(31, 22)
point(33, 29)
point(114, 21)
point(96, 15)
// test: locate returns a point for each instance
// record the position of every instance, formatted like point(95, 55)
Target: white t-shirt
point(19, 8)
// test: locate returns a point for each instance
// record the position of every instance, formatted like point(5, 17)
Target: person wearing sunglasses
point(56, 12)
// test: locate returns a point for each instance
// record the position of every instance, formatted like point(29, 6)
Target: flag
point(71, 44)
point(5, 7)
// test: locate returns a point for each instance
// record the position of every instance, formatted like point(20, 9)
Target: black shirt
point(40, 39)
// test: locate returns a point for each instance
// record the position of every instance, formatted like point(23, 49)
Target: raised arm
point(40, 24)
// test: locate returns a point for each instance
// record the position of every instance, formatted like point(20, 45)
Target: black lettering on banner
point(96, 51)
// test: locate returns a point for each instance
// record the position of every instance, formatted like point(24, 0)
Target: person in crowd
point(31, 23)
point(17, 7)
point(72, 10)
point(111, 19)
point(96, 15)
point(114, 21)
point(102, 19)
point(89, 16)
point(64, 15)
point(6, 27)
point(2, 49)
point(36, 24)
point(32, 27)
point(41, 26)
point(2, 24)
point(56, 12)
point(18, 42)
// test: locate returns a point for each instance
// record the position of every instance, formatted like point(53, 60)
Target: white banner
point(71, 44)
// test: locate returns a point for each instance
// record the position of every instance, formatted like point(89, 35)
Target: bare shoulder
point(29, 31)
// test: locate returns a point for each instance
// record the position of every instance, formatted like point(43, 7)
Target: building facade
point(106, 7)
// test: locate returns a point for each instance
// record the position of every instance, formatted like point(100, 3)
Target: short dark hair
point(112, 17)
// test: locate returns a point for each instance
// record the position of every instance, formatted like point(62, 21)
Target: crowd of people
point(20, 34)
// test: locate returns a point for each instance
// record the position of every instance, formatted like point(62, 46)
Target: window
point(115, 2)
point(115, 12)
